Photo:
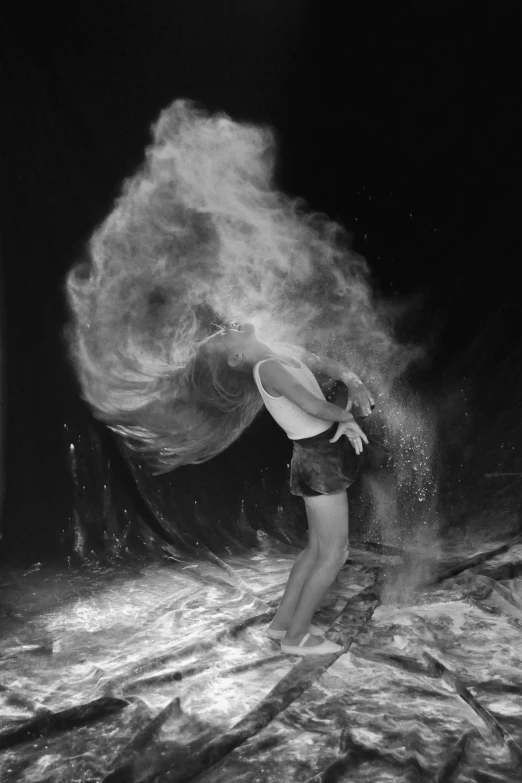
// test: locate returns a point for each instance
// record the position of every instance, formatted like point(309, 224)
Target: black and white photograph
point(260, 392)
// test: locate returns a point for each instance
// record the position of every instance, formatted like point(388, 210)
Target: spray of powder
point(201, 235)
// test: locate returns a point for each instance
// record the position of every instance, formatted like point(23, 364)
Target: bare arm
point(361, 398)
point(330, 367)
point(284, 383)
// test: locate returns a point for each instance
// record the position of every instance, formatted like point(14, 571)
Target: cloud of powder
point(200, 232)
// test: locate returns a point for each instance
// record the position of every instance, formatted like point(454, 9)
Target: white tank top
point(293, 419)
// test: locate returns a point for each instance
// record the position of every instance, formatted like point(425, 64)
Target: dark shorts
point(321, 468)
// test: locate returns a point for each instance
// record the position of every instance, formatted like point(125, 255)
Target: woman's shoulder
point(289, 351)
point(289, 348)
point(264, 369)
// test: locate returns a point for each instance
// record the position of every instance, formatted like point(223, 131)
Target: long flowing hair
point(201, 235)
point(186, 416)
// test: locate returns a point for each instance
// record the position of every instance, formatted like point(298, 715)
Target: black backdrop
point(401, 120)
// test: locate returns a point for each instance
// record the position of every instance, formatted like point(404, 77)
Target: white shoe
point(313, 630)
point(325, 648)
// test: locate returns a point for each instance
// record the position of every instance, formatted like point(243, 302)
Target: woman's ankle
point(292, 639)
point(280, 623)
point(295, 639)
point(278, 626)
point(296, 632)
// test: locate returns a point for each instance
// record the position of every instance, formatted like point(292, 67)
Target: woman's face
point(234, 339)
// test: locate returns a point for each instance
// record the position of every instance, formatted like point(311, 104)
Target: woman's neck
point(262, 352)
point(266, 352)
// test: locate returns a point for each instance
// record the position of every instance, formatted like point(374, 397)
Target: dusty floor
point(163, 671)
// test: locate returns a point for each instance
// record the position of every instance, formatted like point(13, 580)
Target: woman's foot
point(311, 641)
point(276, 633)
point(275, 626)
point(308, 645)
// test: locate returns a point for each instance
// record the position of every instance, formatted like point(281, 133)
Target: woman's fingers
point(336, 437)
point(364, 401)
point(354, 434)
point(360, 433)
point(366, 405)
point(338, 433)
point(357, 444)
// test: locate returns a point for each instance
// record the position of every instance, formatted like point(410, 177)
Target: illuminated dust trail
point(202, 229)
point(157, 672)
point(162, 671)
point(201, 235)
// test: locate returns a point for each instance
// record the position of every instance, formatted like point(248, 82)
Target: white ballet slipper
point(325, 648)
point(313, 630)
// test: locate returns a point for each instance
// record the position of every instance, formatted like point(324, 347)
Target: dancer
point(200, 234)
point(321, 468)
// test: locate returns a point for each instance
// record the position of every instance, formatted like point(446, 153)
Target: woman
point(320, 470)
point(198, 228)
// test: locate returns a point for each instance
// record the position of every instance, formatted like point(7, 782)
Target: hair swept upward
point(141, 306)
point(199, 234)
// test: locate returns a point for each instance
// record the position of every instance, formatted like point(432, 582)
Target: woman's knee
point(328, 526)
point(336, 553)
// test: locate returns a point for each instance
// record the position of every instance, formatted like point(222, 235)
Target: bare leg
point(304, 564)
point(328, 524)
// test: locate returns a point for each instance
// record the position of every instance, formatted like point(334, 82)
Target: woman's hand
point(353, 432)
point(360, 397)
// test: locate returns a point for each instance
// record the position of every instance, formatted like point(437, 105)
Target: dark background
point(401, 120)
